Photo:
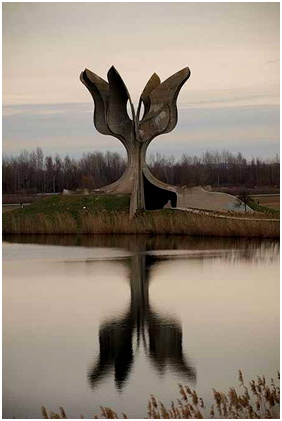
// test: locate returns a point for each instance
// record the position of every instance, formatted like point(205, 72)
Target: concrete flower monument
point(137, 132)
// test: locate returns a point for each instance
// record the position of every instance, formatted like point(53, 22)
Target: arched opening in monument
point(157, 198)
point(141, 111)
point(129, 110)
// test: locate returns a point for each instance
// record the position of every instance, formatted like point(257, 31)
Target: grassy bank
point(108, 214)
point(258, 400)
point(274, 213)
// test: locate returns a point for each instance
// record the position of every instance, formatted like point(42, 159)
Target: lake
point(103, 320)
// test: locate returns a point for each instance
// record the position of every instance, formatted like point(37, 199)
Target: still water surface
point(91, 321)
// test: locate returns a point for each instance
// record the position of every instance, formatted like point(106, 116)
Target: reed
point(62, 223)
point(165, 221)
point(258, 400)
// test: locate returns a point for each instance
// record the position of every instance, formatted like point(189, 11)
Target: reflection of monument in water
point(120, 338)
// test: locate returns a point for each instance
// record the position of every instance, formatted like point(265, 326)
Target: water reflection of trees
point(228, 248)
point(121, 338)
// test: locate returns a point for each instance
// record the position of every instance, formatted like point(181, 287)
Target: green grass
point(75, 204)
point(273, 213)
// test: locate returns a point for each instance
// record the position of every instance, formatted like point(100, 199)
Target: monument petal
point(99, 90)
point(161, 115)
point(118, 121)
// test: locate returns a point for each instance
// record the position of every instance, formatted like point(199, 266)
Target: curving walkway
point(201, 212)
point(200, 198)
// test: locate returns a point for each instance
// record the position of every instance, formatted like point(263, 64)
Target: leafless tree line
point(33, 172)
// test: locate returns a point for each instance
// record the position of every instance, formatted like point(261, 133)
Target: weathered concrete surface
point(111, 118)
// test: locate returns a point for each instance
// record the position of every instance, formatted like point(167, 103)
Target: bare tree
point(34, 172)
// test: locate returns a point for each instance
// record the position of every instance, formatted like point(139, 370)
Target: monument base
point(159, 197)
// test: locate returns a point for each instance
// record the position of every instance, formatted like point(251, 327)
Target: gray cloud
point(68, 128)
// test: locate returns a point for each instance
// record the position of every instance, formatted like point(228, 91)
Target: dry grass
point(258, 400)
point(108, 214)
point(63, 223)
point(164, 221)
point(8, 208)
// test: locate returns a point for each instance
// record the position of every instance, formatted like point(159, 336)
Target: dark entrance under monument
point(157, 198)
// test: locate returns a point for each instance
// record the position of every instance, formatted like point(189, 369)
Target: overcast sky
point(231, 100)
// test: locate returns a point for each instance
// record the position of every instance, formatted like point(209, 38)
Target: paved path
point(201, 212)
point(201, 198)
point(7, 207)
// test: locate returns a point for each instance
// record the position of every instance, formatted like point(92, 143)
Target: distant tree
point(244, 197)
point(34, 172)
point(87, 182)
point(50, 176)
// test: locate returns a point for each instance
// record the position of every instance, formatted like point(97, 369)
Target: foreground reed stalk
point(258, 400)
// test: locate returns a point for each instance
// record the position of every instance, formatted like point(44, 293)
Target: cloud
point(47, 45)
point(274, 61)
point(68, 129)
point(45, 109)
